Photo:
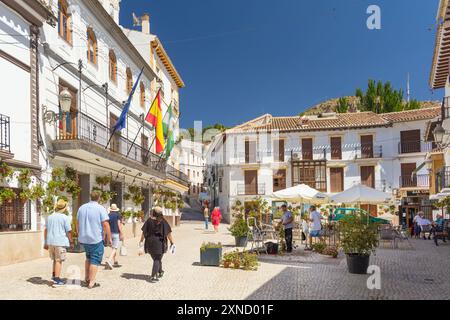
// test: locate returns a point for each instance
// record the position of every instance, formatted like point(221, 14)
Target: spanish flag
point(155, 118)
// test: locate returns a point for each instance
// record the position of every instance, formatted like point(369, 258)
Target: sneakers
point(154, 279)
point(108, 265)
point(57, 282)
point(161, 274)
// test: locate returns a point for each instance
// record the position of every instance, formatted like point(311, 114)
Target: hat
point(61, 205)
point(113, 208)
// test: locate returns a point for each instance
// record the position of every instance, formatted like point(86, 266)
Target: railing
point(5, 144)
point(92, 131)
point(177, 174)
point(412, 181)
point(316, 154)
point(443, 179)
point(405, 147)
point(445, 108)
point(251, 189)
point(368, 152)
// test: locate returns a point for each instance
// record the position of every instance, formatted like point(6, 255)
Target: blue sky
point(242, 58)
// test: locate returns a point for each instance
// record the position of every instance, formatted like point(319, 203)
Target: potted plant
point(237, 260)
point(331, 251)
point(7, 195)
point(359, 240)
point(126, 196)
point(249, 261)
point(24, 178)
point(6, 171)
point(210, 254)
point(239, 230)
point(227, 259)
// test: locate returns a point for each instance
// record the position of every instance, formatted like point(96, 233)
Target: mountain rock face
point(330, 106)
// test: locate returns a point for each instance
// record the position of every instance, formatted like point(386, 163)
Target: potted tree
point(7, 195)
point(239, 230)
point(359, 240)
point(210, 254)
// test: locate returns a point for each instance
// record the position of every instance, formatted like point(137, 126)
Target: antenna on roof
point(408, 91)
point(137, 22)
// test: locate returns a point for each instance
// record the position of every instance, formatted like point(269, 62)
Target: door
point(279, 150)
point(371, 209)
point(367, 146)
point(307, 149)
point(116, 187)
point(250, 151)
point(336, 180)
point(336, 148)
point(114, 145)
point(410, 141)
point(251, 182)
point(368, 176)
point(407, 179)
point(279, 180)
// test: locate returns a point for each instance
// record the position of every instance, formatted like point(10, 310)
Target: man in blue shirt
point(58, 237)
point(287, 220)
point(93, 228)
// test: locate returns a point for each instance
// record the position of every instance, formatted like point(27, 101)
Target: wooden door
point(279, 150)
point(307, 149)
point(336, 180)
point(251, 182)
point(407, 179)
point(368, 176)
point(250, 151)
point(367, 146)
point(336, 148)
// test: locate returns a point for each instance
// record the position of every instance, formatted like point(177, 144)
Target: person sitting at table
point(438, 227)
point(424, 224)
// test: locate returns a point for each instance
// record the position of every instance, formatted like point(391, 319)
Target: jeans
point(288, 238)
point(157, 264)
point(206, 223)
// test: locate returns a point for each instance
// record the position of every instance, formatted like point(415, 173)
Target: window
point(336, 180)
point(367, 147)
point(251, 182)
point(410, 141)
point(408, 179)
point(279, 180)
point(336, 148)
point(129, 81)
point(112, 66)
point(92, 46)
point(250, 151)
point(307, 149)
point(189, 173)
point(64, 21)
point(142, 95)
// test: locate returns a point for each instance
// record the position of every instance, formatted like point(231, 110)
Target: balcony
point(405, 147)
point(83, 134)
point(368, 152)
point(316, 154)
point(443, 179)
point(250, 158)
point(415, 181)
point(251, 189)
point(5, 144)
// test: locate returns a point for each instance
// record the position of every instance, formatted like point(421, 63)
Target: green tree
point(343, 105)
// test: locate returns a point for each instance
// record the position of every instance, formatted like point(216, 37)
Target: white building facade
point(330, 153)
point(192, 163)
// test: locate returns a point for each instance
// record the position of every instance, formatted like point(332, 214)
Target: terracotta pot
point(226, 264)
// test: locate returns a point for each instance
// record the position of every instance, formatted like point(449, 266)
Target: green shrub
point(210, 245)
point(239, 228)
point(359, 236)
point(319, 247)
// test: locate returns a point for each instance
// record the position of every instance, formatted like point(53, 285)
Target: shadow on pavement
point(132, 276)
point(40, 281)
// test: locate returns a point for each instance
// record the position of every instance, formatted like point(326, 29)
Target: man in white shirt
point(424, 224)
point(315, 225)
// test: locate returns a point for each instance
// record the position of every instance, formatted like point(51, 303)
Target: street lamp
point(439, 133)
point(65, 100)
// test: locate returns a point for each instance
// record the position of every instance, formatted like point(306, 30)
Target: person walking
point(93, 230)
point(206, 216)
point(57, 238)
point(216, 217)
point(287, 220)
point(156, 232)
point(115, 224)
point(305, 229)
point(315, 225)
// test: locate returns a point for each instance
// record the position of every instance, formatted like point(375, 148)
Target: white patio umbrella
point(362, 194)
point(302, 193)
point(388, 216)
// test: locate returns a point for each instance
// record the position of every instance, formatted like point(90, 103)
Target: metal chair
point(255, 235)
point(388, 234)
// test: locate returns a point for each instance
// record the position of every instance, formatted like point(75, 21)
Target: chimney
point(146, 23)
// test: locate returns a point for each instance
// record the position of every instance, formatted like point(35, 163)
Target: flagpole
point(135, 138)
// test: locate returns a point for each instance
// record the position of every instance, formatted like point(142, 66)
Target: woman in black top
point(156, 232)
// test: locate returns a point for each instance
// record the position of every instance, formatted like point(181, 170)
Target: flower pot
point(226, 264)
point(357, 263)
point(210, 257)
point(236, 265)
point(241, 241)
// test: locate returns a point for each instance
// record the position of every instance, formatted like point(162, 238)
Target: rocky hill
point(330, 105)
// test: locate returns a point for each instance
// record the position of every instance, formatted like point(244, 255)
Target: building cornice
point(440, 63)
point(165, 59)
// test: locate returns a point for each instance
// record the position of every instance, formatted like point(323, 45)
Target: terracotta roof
point(413, 115)
point(333, 122)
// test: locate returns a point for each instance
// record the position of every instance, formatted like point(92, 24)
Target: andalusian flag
point(155, 118)
point(168, 130)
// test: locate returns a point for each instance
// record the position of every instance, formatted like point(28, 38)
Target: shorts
point(57, 253)
point(115, 240)
point(94, 253)
point(314, 233)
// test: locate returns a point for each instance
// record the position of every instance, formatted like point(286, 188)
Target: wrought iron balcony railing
point(251, 189)
point(405, 147)
point(443, 179)
point(368, 152)
point(413, 181)
point(5, 143)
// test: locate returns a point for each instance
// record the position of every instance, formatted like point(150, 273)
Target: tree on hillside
point(342, 105)
point(382, 98)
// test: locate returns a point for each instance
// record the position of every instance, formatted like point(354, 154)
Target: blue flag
point(122, 121)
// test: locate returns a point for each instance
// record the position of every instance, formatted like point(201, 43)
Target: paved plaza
point(420, 272)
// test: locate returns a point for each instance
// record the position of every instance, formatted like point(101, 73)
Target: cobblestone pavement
point(417, 273)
